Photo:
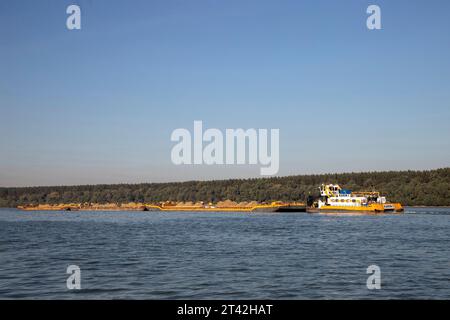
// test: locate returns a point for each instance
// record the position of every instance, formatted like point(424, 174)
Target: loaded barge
point(273, 207)
point(333, 199)
point(169, 206)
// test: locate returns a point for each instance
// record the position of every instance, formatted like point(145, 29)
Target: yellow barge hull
point(371, 208)
point(257, 208)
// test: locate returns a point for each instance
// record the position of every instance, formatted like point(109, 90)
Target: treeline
point(428, 188)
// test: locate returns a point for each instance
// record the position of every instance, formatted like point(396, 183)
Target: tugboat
point(335, 199)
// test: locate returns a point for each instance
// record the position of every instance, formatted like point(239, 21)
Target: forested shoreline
point(411, 188)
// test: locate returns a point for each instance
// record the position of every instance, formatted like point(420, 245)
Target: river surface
point(184, 255)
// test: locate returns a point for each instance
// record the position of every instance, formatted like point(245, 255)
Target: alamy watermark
point(74, 280)
point(374, 280)
point(73, 21)
point(190, 149)
point(374, 20)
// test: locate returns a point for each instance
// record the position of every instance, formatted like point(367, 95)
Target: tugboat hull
point(371, 208)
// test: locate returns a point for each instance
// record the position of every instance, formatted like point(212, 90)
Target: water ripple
point(224, 255)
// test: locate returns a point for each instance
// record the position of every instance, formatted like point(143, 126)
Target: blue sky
point(98, 105)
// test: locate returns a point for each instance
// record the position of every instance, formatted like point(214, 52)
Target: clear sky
point(98, 105)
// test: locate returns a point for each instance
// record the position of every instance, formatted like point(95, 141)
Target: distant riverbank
point(410, 188)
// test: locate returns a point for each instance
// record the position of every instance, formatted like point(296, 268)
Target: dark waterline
point(182, 255)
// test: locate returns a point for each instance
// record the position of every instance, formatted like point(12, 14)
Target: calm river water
point(182, 255)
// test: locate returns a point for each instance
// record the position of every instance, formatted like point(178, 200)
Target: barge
point(272, 207)
point(168, 206)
